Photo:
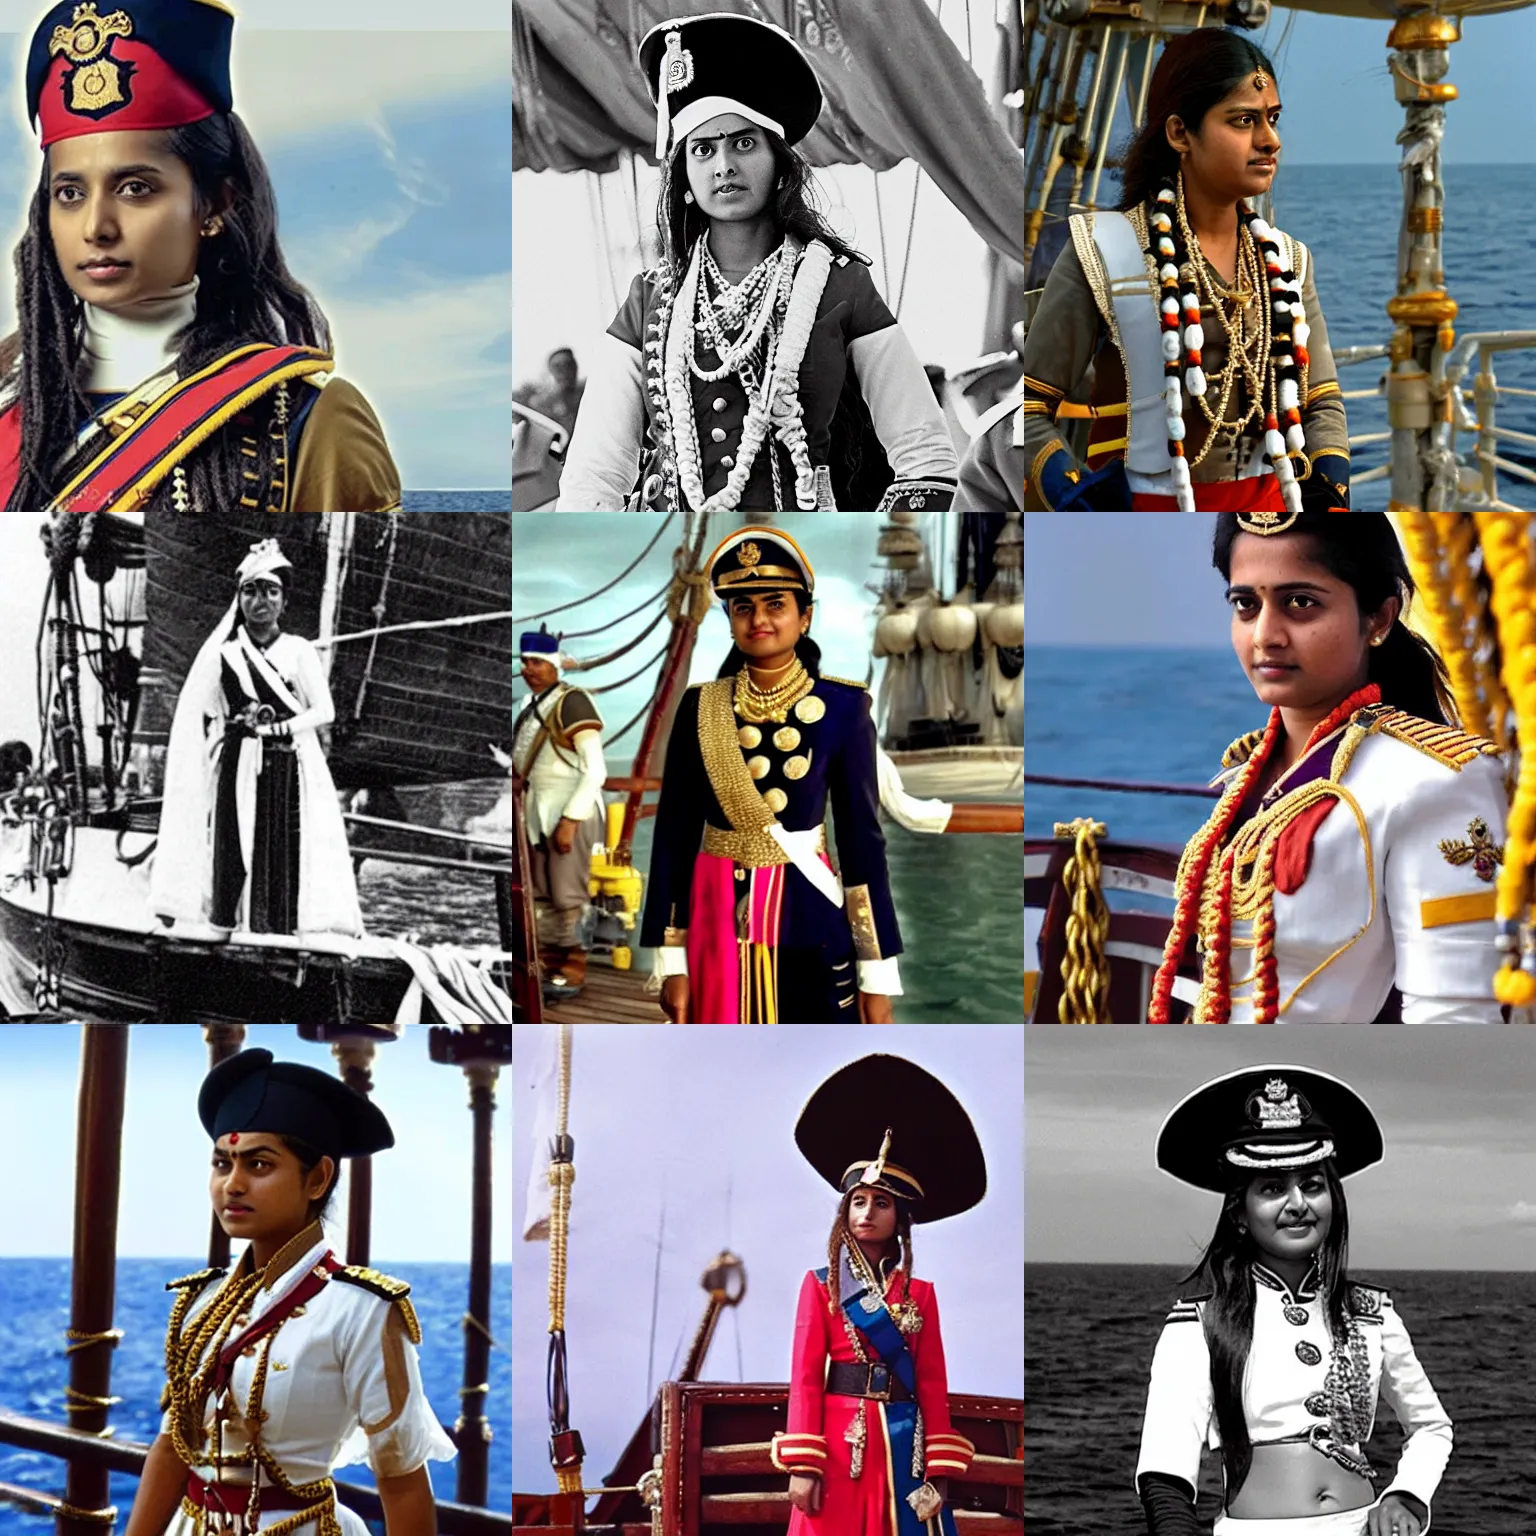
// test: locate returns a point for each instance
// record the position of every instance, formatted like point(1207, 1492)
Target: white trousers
point(1344, 1522)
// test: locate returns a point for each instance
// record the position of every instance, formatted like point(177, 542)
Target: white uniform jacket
point(1283, 1396)
point(563, 779)
point(342, 1386)
point(1400, 882)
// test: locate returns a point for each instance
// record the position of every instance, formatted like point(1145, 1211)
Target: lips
point(237, 1210)
point(1267, 165)
point(761, 634)
point(106, 265)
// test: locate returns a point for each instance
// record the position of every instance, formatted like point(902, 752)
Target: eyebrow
point(114, 175)
point(1285, 586)
point(255, 1151)
point(710, 138)
point(1255, 106)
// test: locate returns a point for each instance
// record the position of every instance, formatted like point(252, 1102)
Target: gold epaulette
point(1447, 745)
point(1241, 749)
point(197, 1281)
point(386, 1286)
point(847, 682)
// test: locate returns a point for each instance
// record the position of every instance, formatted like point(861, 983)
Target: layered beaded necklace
point(1268, 349)
point(758, 705)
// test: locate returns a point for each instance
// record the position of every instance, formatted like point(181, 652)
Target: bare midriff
point(1287, 1482)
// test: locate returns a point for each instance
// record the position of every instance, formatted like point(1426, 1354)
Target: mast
point(224, 1041)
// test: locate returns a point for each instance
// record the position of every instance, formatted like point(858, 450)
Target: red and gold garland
point(1215, 920)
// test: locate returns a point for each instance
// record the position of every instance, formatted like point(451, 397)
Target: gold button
point(797, 767)
point(810, 709)
point(717, 434)
point(248, 1351)
point(775, 800)
point(758, 766)
point(749, 736)
point(741, 874)
point(727, 462)
point(298, 1311)
point(786, 739)
point(720, 402)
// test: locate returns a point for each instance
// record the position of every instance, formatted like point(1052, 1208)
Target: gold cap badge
point(749, 554)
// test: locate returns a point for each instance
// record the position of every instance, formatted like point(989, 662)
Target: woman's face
point(1296, 628)
point(261, 603)
point(123, 214)
point(767, 624)
point(872, 1215)
point(1288, 1212)
point(730, 168)
point(259, 1188)
point(1237, 149)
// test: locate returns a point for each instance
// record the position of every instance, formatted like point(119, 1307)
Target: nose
point(1296, 1202)
point(100, 223)
point(1268, 630)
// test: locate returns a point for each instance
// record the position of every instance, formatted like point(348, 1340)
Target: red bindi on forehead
point(234, 1138)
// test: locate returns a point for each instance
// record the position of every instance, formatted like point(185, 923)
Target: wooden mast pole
point(224, 1041)
point(356, 1060)
point(480, 1052)
point(93, 1271)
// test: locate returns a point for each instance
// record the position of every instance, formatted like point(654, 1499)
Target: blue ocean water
point(1348, 216)
point(1147, 714)
point(1088, 1348)
point(457, 501)
point(34, 1300)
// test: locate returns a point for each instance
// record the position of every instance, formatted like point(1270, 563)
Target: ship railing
point(1477, 484)
point(72, 1445)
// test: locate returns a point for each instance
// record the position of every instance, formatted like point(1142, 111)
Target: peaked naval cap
point(111, 66)
point(1267, 1117)
point(759, 559)
point(885, 1123)
point(699, 67)
point(252, 1092)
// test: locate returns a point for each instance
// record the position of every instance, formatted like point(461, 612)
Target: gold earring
point(214, 226)
point(1379, 639)
point(688, 197)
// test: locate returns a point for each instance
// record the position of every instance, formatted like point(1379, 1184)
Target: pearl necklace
point(761, 284)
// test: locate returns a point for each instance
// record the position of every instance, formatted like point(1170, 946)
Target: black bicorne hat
point(252, 1092)
point(699, 67)
point(884, 1122)
point(1267, 1117)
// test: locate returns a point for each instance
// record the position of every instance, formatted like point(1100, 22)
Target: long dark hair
point(840, 1235)
point(794, 205)
point(805, 648)
point(1226, 1267)
point(1362, 550)
point(246, 294)
point(1194, 72)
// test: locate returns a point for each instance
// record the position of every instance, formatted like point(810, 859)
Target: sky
point(557, 558)
point(421, 1186)
point(1121, 578)
point(699, 1124)
point(1457, 1189)
point(390, 151)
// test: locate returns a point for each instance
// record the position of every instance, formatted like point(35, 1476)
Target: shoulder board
point(1002, 411)
point(1368, 1300)
point(1241, 749)
point(197, 1281)
point(1447, 745)
point(389, 1289)
point(847, 682)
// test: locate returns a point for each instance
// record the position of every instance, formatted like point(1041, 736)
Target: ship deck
point(609, 997)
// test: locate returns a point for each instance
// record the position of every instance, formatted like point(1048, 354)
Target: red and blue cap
point(113, 66)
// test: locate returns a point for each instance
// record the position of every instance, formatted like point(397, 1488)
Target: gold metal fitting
point(1426, 221)
point(1432, 307)
point(1425, 30)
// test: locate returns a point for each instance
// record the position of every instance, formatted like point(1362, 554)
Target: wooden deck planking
point(610, 997)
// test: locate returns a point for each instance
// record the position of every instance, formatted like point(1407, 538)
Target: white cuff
point(880, 976)
point(671, 960)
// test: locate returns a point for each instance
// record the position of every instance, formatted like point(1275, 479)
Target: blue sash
point(868, 1313)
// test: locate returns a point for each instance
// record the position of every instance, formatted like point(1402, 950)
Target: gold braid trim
point(1241, 749)
point(720, 750)
point(105, 1516)
point(1447, 745)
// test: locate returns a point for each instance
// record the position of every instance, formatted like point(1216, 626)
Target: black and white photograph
point(257, 768)
point(1276, 1284)
point(789, 269)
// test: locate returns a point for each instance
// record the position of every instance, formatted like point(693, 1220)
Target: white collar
point(122, 348)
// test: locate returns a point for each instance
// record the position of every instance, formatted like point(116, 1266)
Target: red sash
point(124, 475)
point(235, 1498)
point(1255, 493)
point(311, 1285)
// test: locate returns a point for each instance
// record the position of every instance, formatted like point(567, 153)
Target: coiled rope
point(1085, 966)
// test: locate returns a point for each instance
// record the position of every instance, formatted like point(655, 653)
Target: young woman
point(1280, 1362)
point(1356, 844)
point(869, 1445)
point(290, 1364)
point(1212, 384)
point(164, 354)
point(251, 834)
point(749, 923)
point(745, 371)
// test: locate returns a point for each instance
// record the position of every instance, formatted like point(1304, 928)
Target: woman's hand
point(805, 1493)
point(875, 1008)
point(1397, 1515)
point(563, 838)
point(674, 999)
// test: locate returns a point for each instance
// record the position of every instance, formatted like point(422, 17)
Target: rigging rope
point(566, 1451)
point(582, 634)
point(650, 662)
point(399, 629)
point(601, 661)
point(1085, 965)
point(578, 601)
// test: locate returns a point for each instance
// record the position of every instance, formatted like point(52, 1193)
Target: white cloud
point(1522, 1211)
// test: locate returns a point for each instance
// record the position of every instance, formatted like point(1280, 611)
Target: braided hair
point(246, 294)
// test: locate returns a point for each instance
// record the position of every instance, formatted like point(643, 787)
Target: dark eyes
point(743, 143)
point(143, 187)
point(1244, 604)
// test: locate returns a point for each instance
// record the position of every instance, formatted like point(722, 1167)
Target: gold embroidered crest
point(749, 553)
point(1482, 852)
point(679, 70)
point(96, 82)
